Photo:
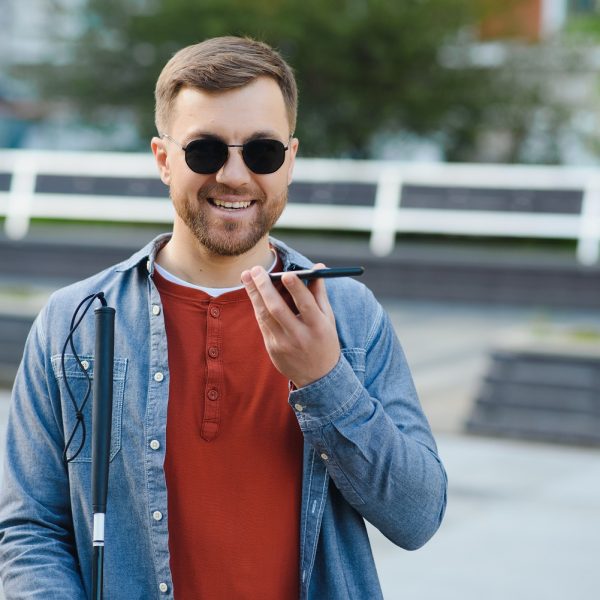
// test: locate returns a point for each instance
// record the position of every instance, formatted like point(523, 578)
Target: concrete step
point(541, 394)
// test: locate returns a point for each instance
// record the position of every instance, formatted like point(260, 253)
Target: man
point(255, 424)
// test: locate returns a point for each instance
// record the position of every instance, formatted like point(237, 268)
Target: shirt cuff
point(321, 401)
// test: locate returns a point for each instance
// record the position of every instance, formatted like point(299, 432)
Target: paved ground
point(522, 522)
point(522, 519)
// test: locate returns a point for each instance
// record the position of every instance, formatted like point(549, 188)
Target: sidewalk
point(522, 522)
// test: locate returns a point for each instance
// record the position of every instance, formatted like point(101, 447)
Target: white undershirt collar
point(211, 291)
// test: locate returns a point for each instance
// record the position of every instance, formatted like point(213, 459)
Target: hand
point(303, 347)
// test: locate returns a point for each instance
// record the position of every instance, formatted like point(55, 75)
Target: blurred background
point(454, 80)
point(449, 146)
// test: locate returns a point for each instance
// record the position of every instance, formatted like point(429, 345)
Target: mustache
point(218, 189)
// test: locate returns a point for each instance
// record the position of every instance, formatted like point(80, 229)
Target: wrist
point(306, 379)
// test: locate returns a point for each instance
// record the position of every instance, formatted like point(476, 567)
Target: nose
point(234, 173)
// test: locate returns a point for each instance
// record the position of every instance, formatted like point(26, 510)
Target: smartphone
point(309, 274)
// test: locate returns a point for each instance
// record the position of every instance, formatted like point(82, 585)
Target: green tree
point(363, 66)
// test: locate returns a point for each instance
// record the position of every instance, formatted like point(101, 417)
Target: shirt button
point(163, 587)
point(215, 311)
point(85, 364)
point(213, 352)
point(155, 444)
point(213, 394)
point(157, 515)
point(158, 376)
point(299, 407)
point(155, 309)
point(324, 456)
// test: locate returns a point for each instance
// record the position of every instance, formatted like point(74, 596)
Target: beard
point(220, 236)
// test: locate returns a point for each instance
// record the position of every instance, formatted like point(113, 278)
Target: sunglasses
point(208, 155)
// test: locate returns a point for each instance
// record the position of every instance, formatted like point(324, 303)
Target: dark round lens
point(264, 156)
point(206, 156)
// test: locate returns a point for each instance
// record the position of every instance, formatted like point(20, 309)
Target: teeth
point(231, 204)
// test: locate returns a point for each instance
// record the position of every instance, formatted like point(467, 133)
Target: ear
point(293, 149)
point(162, 160)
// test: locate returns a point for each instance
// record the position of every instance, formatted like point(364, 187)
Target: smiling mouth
point(230, 205)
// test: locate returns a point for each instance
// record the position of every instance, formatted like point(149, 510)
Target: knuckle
point(262, 282)
point(262, 316)
point(276, 347)
point(278, 311)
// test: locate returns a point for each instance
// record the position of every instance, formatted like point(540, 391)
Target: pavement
point(522, 518)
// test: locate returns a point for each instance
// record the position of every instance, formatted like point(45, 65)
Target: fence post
point(20, 196)
point(387, 199)
point(588, 243)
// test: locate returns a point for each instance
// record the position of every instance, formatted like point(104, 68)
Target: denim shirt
point(368, 450)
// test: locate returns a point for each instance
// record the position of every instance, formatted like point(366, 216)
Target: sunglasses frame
point(243, 146)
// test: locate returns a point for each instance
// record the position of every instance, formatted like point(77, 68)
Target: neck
point(187, 259)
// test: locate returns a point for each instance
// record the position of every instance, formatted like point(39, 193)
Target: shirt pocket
point(78, 382)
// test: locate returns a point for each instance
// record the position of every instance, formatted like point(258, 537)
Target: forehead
point(232, 114)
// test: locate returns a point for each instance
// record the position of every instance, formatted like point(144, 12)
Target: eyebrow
point(266, 133)
point(261, 134)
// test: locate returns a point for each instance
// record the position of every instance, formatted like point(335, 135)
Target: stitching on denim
point(41, 329)
point(308, 492)
point(377, 323)
point(117, 416)
point(318, 523)
point(341, 410)
point(330, 378)
point(158, 485)
point(346, 486)
point(72, 368)
point(355, 352)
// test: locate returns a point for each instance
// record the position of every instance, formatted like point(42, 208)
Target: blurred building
point(36, 32)
point(532, 20)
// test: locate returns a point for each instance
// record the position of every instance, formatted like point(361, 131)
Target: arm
point(372, 435)
point(379, 448)
point(37, 547)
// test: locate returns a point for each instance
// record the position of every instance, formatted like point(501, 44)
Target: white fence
point(20, 199)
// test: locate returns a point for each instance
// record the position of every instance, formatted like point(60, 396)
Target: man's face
point(234, 116)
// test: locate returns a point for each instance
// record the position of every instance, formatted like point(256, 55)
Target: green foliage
point(363, 66)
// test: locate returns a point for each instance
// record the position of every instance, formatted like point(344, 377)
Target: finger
point(273, 303)
point(264, 318)
point(319, 290)
point(308, 309)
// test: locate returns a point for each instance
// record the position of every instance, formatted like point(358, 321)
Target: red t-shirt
point(233, 461)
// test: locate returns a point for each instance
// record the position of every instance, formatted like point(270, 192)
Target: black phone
point(308, 274)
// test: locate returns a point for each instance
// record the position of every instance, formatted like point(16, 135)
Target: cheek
point(185, 182)
point(276, 185)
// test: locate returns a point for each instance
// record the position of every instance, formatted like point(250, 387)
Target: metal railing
point(23, 197)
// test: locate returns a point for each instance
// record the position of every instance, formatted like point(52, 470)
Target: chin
point(228, 245)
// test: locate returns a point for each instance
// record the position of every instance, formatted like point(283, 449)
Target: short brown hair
point(219, 64)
